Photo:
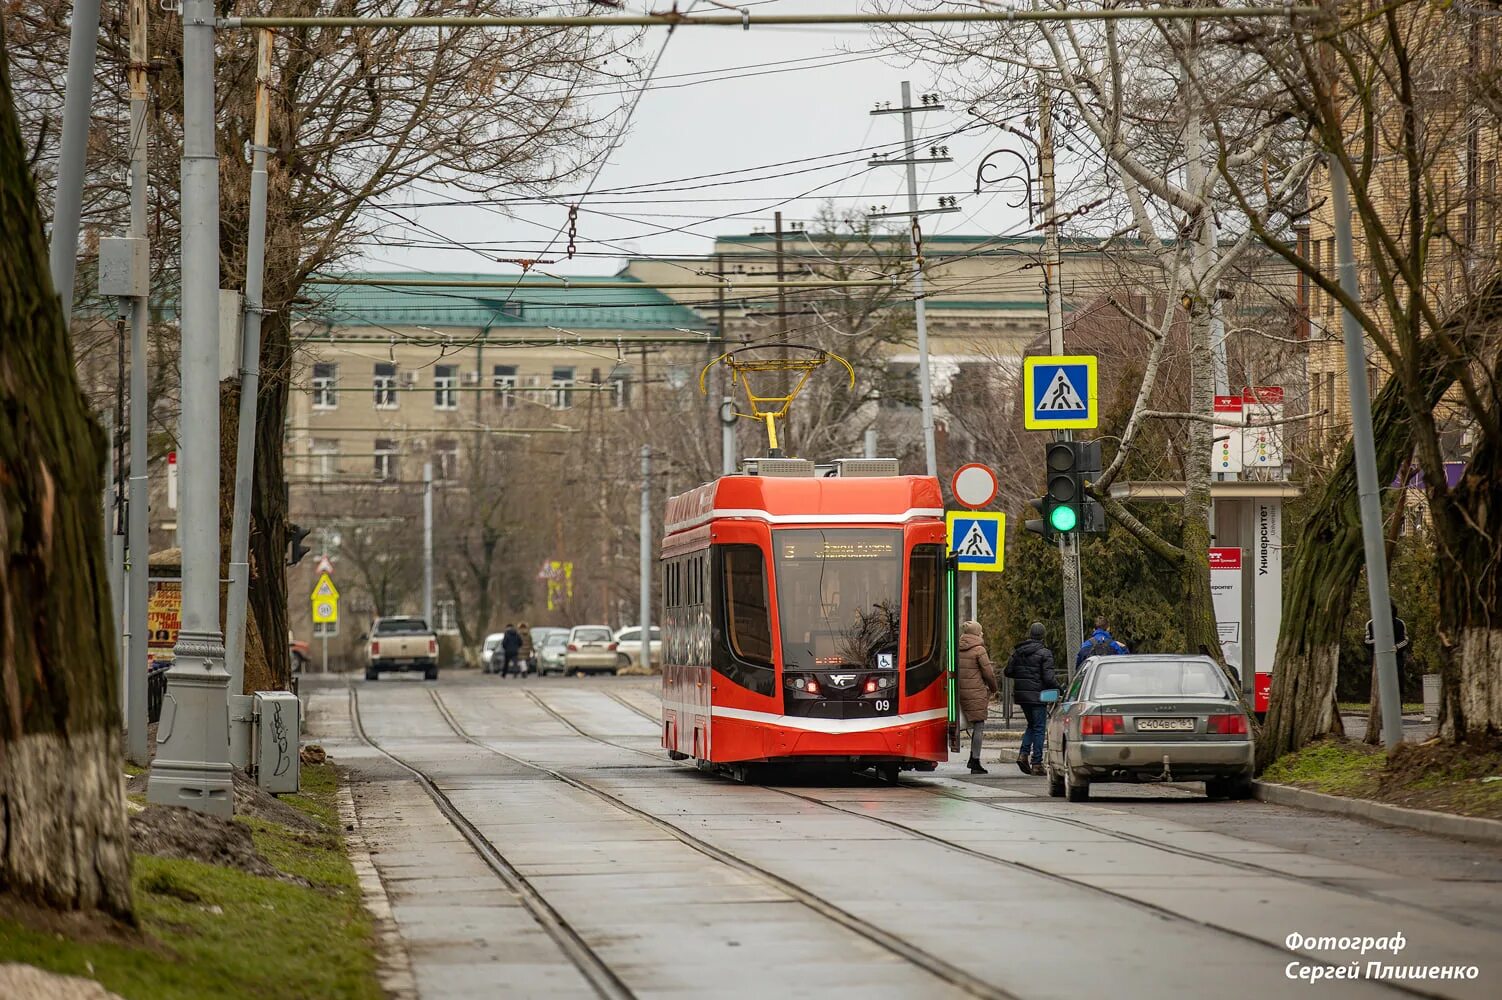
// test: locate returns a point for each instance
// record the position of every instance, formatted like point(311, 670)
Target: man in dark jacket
point(511, 644)
point(1031, 670)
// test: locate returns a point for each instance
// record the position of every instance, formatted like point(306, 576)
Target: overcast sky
point(813, 103)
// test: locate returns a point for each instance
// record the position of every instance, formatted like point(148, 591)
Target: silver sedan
point(1149, 718)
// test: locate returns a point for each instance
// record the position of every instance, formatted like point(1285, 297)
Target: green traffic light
point(1063, 518)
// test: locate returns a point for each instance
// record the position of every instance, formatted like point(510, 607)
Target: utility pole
point(911, 161)
point(1053, 262)
point(646, 555)
point(727, 436)
point(78, 101)
point(427, 543)
point(1384, 649)
point(192, 763)
point(240, 703)
point(138, 543)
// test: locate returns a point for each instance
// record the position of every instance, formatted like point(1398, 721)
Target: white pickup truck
point(401, 644)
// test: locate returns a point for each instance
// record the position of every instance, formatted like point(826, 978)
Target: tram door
point(951, 648)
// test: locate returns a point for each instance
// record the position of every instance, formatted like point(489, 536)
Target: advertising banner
point(1225, 596)
point(1267, 590)
point(1225, 453)
point(164, 606)
point(1262, 447)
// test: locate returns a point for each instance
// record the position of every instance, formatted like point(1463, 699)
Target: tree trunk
point(271, 668)
point(1323, 573)
point(1468, 522)
point(63, 841)
point(1200, 632)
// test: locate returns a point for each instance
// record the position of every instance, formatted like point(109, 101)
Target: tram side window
point(925, 647)
point(742, 650)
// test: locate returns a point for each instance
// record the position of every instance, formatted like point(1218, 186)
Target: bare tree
point(63, 842)
point(1403, 100)
point(1146, 100)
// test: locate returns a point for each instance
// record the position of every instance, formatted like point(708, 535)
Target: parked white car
point(628, 646)
point(590, 649)
point(487, 652)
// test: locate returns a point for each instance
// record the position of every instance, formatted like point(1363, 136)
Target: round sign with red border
point(974, 485)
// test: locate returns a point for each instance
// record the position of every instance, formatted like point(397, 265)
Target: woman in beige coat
point(976, 680)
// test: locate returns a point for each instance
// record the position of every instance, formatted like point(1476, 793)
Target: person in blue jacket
point(1100, 643)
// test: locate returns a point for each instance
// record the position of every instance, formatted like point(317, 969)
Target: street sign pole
point(325, 651)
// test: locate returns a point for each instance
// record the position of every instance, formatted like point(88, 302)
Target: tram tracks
point(1163, 912)
point(924, 959)
point(594, 969)
point(1250, 867)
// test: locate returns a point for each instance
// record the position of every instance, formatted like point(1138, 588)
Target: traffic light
point(1064, 507)
point(295, 541)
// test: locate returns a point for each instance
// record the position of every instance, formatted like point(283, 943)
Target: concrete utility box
point(124, 267)
point(275, 753)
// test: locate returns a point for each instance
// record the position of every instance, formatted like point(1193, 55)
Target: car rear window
point(1118, 678)
point(555, 639)
point(592, 634)
point(401, 626)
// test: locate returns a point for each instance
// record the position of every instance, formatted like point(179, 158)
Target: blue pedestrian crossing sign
point(1060, 392)
point(976, 539)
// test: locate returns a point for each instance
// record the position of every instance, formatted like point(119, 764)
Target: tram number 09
point(883, 705)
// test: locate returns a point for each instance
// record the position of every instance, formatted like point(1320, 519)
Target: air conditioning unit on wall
point(410, 377)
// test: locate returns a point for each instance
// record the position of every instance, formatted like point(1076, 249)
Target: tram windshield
point(839, 596)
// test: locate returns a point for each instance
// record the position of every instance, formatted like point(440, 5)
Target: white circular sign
point(974, 485)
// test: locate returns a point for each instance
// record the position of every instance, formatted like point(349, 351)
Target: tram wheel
point(890, 773)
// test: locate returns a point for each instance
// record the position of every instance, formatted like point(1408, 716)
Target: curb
point(1423, 820)
point(394, 965)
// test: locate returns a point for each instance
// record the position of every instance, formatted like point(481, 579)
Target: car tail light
point(432, 647)
point(612, 646)
point(573, 648)
point(375, 649)
point(1101, 725)
point(1227, 725)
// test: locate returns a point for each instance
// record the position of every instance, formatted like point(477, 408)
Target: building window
point(445, 383)
point(1315, 405)
point(620, 392)
point(385, 385)
point(325, 459)
point(563, 384)
point(385, 460)
point(445, 618)
point(445, 460)
point(505, 385)
point(325, 385)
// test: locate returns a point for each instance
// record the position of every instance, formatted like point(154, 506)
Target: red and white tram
point(808, 618)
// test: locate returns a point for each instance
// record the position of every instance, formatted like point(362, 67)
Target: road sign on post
point(973, 485)
point(1061, 392)
point(976, 540)
point(325, 601)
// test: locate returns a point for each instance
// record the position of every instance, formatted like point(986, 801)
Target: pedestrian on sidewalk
point(511, 644)
point(1031, 669)
point(976, 680)
point(1100, 643)
point(525, 653)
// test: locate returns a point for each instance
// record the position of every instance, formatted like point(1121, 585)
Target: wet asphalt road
point(534, 841)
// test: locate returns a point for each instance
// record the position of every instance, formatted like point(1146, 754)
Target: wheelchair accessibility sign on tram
point(1060, 392)
point(976, 539)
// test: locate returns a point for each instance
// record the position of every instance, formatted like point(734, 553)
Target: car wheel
point(1228, 788)
point(372, 674)
point(1055, 783)
point(622, 661)
point(430, 674)
point(1075, 790)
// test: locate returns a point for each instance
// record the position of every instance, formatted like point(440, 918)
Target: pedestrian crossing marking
point(976, 544)
point(1061, 394)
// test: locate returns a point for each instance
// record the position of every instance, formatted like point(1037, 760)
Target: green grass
point(1335, 767)
point(216, 932)
point(1359, 707)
